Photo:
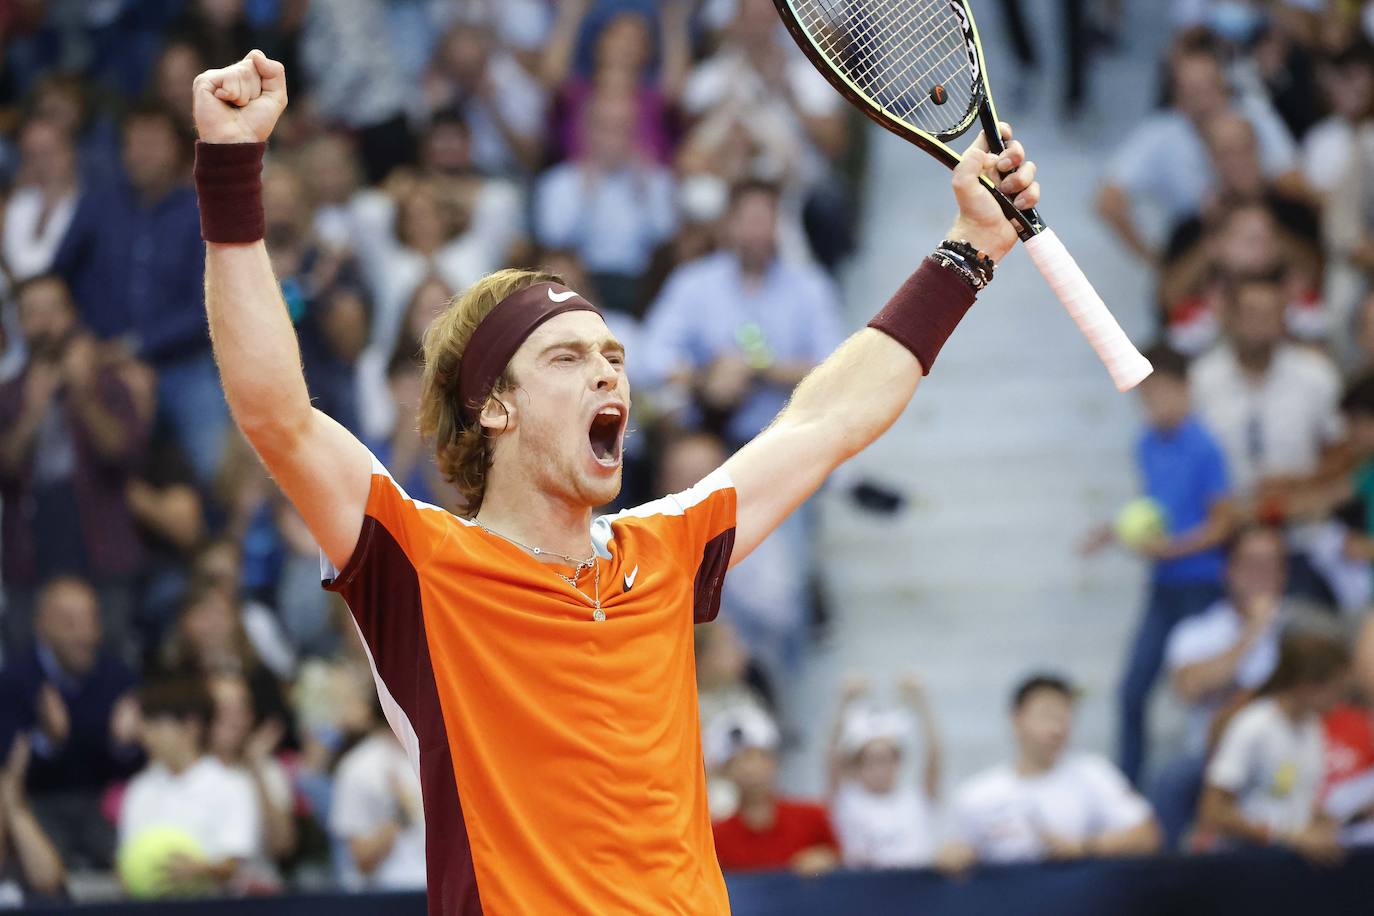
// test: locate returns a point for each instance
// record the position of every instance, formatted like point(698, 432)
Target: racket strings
point(907, 56)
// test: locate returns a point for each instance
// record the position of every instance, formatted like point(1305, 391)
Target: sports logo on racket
point(964, 21)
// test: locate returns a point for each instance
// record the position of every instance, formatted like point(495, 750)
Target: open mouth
point(605, 434)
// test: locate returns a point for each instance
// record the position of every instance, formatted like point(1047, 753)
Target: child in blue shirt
point(1181, 468)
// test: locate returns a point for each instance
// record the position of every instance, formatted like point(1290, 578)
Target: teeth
point(608, 412)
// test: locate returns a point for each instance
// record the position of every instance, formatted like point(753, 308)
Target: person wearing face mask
point(70, 439)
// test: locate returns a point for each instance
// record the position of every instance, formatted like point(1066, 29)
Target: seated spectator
point(1247, 225)
point(1263, 780)
point(501, 103)
point(726, 679)
point(1182, 469)
point(66, 100)
point(332, 176)
point(70, 437)
point(1347, 81)
point(219, 563)
point(210, 638)
point(73, 702)
point(1348, 788)
point(243, 744)
point(882, 818)
point(741, 327)
point(333, 338)
point(497, 204)
point(376, 816)
point(622, 55)
point(1164, 162)
point(186, 788)
point(43, 200)
point(31, 869)
point(767, 831)
point(1272, 405)
point(378, 412)
point(1212, 657)
point(177, 67)
point(1047, 803)
point(609, 205)
point(349, 62)
point(135, 262)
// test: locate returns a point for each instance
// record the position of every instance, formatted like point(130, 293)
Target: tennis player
point(535, 661)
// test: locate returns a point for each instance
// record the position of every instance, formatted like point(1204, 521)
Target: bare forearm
point(19, 442)
point(1115, 209)
point(1219, 812)
point(254, 342)
point(1195, 681)
point(39, 860)
point(108, 432)
point(1140, 840)
point(853, 396)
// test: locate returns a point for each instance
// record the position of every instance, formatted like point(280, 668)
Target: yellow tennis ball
point(1140, 522)
point(143, 859)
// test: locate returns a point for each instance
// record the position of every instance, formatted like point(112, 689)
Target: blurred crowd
point(182, 705)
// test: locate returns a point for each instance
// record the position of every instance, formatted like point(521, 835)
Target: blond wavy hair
point(462, 450)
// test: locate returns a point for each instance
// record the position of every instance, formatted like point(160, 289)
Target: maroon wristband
point(925, 311)
point(229, 187)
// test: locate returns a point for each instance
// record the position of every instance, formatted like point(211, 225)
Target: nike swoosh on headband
point(561, 297)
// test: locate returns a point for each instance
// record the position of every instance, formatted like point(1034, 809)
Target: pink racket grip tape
point(1123, 361)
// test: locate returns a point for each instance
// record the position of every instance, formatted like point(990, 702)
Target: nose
point(604, 373)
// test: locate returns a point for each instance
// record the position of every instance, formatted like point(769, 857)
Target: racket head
point(913, 66)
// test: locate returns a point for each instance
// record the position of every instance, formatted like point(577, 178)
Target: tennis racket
point(916, 68)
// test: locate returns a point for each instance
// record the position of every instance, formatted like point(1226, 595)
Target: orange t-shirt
point(559, 756)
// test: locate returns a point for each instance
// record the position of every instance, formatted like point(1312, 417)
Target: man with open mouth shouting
point(537, 662)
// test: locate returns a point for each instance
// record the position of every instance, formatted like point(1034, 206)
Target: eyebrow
point(582, 345)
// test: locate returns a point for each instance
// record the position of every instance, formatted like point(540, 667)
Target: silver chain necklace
point(579, 566)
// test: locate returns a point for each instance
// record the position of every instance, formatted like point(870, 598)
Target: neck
point(758, 811)
point(150, 194)
point(1028, 765)
point(180, 760)
point(537, 519)
point(1255, 360)
point(1290, 707)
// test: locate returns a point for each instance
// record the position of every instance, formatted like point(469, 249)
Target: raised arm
point(851, 398)
point(320, 466)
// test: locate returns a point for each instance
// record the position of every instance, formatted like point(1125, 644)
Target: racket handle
point(1123, 361)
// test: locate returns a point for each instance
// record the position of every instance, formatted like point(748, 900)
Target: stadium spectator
point(1348, 789)
point(219, 563)
point(375, 818)
point(1247, 225)
point(883, 819)
point(1229, 648)
point(609, 205)
point(41, 204)
point(186, 788)
point(623, 53)
point(210, 638)
point(333, 338)
point(726, 679)
point(1347, 81)
point(135, 263)
point(740, 327)
point(73, 704)
point(31, 868)
point(1263, 780)
point(67, 101)
point(348, 60)
point(243, 744)
point(333, 177)
point(503, 106)
point(766, 831)
point(496, 203)
point(1272, 405)
point(378, 411)
point(1048, 803)
point(177, 67)
point(71, 434)
point(1182, 469)
point(1164, 162)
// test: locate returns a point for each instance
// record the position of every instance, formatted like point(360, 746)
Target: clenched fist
point(239, 103)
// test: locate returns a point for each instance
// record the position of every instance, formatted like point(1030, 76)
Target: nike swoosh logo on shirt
point(630, 579)
point(560, 297)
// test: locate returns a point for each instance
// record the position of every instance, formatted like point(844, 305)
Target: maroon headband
point(501, 333)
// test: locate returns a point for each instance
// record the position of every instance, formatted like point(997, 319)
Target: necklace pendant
point(598, 615)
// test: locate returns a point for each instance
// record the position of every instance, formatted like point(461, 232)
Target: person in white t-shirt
point(1164, 161)
point(375, 817)
point(1047, 803)
point(882, 818)
point(1263, 782)
point(1228, 648)
point(187, 789)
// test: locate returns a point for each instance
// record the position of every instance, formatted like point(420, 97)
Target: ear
point(499, 414)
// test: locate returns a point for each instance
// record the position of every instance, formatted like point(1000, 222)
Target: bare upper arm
point(774, 474)
point(326, 473)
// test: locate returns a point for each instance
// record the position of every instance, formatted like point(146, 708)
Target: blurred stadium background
point(680, 163)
